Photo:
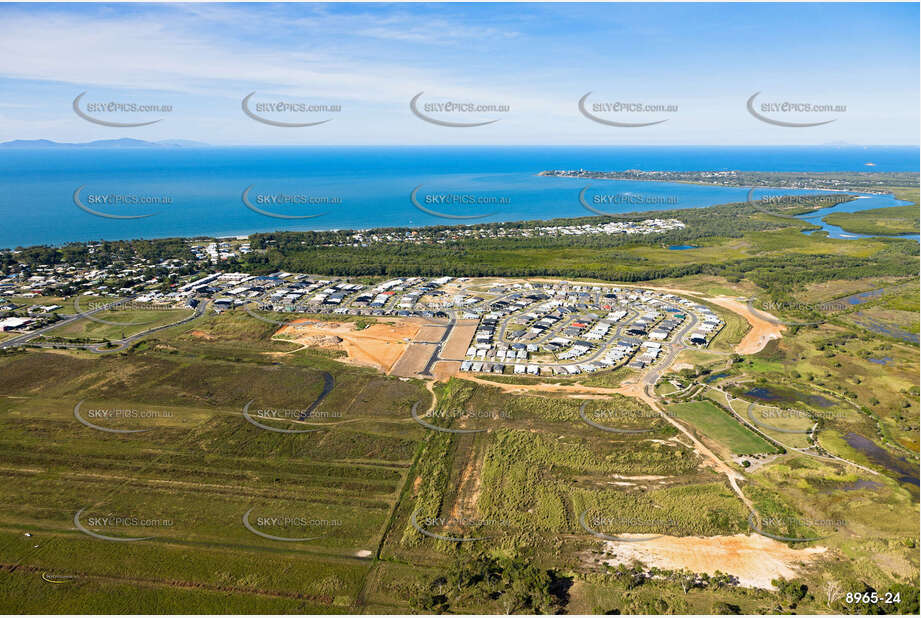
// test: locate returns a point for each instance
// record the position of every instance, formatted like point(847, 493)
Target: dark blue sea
point(198, 191)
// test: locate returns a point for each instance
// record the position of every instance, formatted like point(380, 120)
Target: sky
point(696, 64)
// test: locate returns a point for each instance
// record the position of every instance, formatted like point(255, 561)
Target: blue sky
point(706, 60)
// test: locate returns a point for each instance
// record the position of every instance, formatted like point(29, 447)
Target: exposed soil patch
point(378, 346)
point(413, 361)
point(753, 558)
point(762, 330)
point(459, 339)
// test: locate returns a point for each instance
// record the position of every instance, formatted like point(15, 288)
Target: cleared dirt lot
point(459, 340)
point(431, 333)
point(413, 360)
point(378, 346)
point(753, 558)
point(445, 370)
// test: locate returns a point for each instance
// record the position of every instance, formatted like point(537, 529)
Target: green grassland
point(789, 426)
point(199, 466)
point(721, 427)
point(119, 323)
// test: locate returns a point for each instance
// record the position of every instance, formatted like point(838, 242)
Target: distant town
point(868, 182)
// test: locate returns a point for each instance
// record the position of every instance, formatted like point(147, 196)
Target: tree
point(724, 609)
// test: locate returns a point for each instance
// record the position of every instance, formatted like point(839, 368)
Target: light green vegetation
point(787, 425)
point(721, 427)
point(197, 470)
point(883, 221)
point(807, 498)
point(124, 323)
point(690, 510)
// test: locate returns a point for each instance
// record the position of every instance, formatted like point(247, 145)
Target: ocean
point(56, 195)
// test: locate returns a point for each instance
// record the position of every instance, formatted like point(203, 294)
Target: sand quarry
point(753, 558)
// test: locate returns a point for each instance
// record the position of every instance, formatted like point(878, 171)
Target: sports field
point(720, 427)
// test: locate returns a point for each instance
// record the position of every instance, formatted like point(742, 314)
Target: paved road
point(676, 348)
point(23, 339)
point(121, 344)
point(438, 345)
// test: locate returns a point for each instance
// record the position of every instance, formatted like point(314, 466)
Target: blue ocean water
point(198, 191)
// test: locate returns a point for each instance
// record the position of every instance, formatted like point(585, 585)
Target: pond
point(854, 486)
point(682, 247)
point(788, 395)
point(906, 471)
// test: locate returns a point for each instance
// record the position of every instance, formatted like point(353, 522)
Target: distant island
point(124, 142)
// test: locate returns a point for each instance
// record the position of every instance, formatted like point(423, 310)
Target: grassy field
point(119, 324)
point(189, 478)
point(721, 427)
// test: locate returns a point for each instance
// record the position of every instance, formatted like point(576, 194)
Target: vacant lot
point(377, 346)
point(413, 361)
point(762, 330)
point(119, 323)
point(459, 340)
point(754, 559)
